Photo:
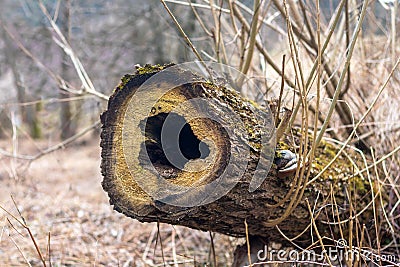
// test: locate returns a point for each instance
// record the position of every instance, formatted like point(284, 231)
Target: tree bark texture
point(138, 174)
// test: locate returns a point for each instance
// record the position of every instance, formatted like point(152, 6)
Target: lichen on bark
point(228, 213)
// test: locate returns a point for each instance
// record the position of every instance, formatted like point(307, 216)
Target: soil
point(60, 198)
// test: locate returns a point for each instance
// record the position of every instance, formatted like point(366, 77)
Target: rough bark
point(127, 133)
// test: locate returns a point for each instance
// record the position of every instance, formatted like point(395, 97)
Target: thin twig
point(29, 54)
point(252, 42)
point(356, 127)
point(260, 46)
point(217, 30)
point(63, 43)
point(22, 222)
point(49, 249)
point(214, 256)
point(232, 16)
point(248, 243)
point(197, 5)
point(343, 74)
point(317, 232)
point(296, 30)
point(62, 84)
point(51, 149)
point(319, 76)
point(161, 243)
point(199, 19)
point(278, 108)
point(347, 32)
point(327, 69)
point(20, 250)
point(182, 32)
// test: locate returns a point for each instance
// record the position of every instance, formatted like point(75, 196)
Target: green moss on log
point(227, 214)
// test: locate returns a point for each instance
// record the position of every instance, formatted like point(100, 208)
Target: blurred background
point(61, 59)
point(110, 37)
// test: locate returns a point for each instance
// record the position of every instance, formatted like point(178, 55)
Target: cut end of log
point(167, 138)
point(184, 149)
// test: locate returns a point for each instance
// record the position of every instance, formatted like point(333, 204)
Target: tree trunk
point(27, 113)
point(68, 121)
point(145, 180)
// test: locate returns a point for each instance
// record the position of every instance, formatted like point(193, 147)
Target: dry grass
point(60, 195)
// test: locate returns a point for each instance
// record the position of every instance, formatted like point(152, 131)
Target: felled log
point(142, 183)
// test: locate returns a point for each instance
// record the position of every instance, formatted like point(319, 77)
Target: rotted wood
point(128, 134)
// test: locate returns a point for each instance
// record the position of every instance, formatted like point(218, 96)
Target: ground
point(60, 196)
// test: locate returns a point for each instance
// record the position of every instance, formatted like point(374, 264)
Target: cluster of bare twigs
point(325, 57)
point(337, 77)
point(87, 87)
